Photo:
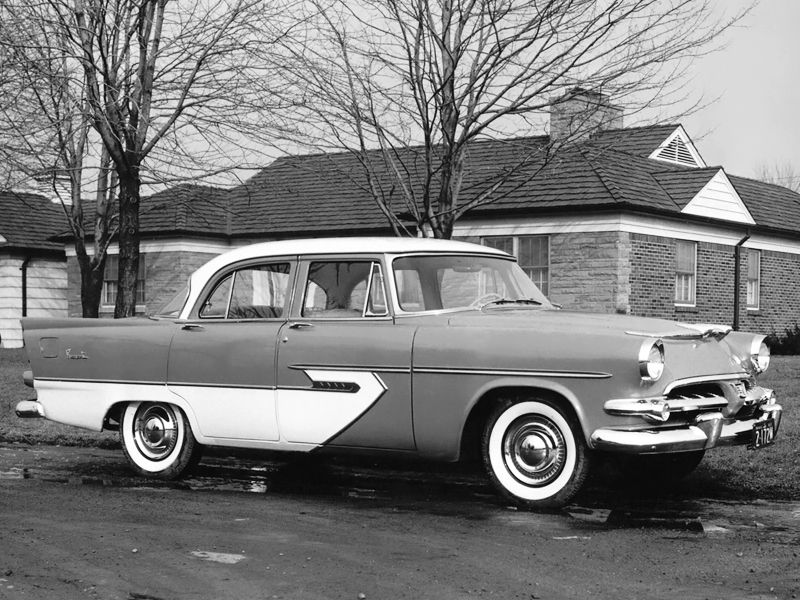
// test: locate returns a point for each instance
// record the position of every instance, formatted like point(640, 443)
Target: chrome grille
point(697, 397)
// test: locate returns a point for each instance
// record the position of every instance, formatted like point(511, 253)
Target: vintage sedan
point(431, 348)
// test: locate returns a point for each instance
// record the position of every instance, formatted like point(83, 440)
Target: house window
point(753, 278)
point(110, 285)
point(505, 243)
point(685, 272)
point(533, 255)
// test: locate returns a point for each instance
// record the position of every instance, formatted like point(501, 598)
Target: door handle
point(300, 325)
point(192, 327)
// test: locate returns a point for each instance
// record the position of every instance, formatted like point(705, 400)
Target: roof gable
point(678, 149)
point(638, 141)
point(719, 200)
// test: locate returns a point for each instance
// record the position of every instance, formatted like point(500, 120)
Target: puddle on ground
point(15, 473)
point(459, 493)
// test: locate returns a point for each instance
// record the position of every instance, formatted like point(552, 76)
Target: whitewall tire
point(534, 454)
point(157, 439)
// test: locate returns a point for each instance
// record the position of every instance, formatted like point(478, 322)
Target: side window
point(216, 305)
point(344, 289)
point(257, 292)
point(409, 289)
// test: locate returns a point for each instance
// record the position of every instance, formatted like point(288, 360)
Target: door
point(222, 361)
point(344, 366)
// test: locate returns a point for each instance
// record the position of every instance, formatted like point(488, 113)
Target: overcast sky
point(756, 119)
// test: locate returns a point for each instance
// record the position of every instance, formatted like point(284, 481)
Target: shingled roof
point(329, 193)
point(28, 221)
point(186, 209)
point(311, 194)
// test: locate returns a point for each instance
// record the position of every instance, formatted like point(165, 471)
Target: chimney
point(579, 113)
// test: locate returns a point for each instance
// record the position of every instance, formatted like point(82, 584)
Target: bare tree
point(409, 87)
point(48, 138)
point(133, 93)
point(784, 174)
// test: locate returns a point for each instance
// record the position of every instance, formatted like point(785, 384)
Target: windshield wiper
point(505, 301)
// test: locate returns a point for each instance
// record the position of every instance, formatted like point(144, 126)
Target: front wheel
point(157, 439)
point(534, 454)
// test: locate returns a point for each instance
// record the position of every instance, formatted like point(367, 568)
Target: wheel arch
point(487, 398)
point(114, 412)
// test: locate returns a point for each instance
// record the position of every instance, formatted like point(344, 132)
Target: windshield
point(172, 309)
point(427, 283)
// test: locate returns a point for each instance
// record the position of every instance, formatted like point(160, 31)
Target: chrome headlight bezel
point(759, 353)
point(651, 360)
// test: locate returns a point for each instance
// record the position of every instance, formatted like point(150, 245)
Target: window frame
point(692, 302)
point(230, 270)
point(141, 283)
point(515, 246)
point(301, 288)
point(757, 305)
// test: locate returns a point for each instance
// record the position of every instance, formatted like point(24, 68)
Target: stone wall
point(165, 274)
point(590, 271)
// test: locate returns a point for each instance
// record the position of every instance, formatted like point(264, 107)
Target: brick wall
point(780, 294)
point(165, 274)
point(653, 285)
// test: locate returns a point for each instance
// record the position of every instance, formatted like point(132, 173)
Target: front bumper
point(708, 429)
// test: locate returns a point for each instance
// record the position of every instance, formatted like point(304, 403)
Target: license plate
point(763, 434)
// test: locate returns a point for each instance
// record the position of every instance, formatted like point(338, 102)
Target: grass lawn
point(772, 472)
point(36, 431)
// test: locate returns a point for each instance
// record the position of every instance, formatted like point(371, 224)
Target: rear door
point(344, 366)
point(222, 360)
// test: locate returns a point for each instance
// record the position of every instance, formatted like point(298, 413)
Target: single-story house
point(33, 275)
point(628, 220)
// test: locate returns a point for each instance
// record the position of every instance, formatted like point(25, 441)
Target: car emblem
point(81, 356)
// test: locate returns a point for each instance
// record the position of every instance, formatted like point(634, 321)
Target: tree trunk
point(129, 187)
point(91, 284)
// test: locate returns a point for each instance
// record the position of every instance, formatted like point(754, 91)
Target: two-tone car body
point(433, 348)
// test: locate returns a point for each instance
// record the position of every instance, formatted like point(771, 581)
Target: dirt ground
point(75, 523)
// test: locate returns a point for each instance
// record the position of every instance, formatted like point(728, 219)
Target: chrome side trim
point(502, 372)
point(350, 368)
point(176, 384)
point(121, 381)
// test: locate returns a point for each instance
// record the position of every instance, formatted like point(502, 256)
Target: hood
point(567, 321)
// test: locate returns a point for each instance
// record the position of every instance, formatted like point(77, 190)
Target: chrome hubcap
point(155, 430)
point(534, 450)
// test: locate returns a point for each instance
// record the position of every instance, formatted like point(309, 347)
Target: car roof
point(331, 245)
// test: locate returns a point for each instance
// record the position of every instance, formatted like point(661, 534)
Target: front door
point(222, 361)
point(343, 365)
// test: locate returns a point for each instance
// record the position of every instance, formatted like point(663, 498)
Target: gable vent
point(677, 152)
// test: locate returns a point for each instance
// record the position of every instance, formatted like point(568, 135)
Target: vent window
point(677, 152)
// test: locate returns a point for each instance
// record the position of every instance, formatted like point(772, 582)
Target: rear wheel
point(534, 454)
point(157, 439)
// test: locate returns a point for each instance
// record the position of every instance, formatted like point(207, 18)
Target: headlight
point(651, 360)
point(759, 354)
